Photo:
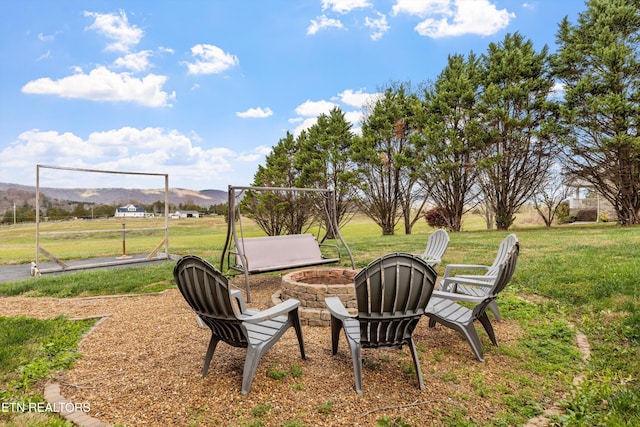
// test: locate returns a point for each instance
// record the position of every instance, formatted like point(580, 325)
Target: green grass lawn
point(581, 274)
point(30, 351)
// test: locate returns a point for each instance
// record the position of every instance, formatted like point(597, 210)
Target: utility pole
point(14, 213)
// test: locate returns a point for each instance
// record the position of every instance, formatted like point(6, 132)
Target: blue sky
point(202, 89)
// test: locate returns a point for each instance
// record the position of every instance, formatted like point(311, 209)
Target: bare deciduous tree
point(549, 195)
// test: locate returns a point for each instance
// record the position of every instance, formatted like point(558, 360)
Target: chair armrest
point(456, 297)
point(337, 309)
point(237, 295)
point(449, 267)
point(283, 308)
point(447, 282)
point(481, 277)
point(432, 261)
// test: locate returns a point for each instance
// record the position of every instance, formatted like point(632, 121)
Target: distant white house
point(130, 211)
point(185, 214)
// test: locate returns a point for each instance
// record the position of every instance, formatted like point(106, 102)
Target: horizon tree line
point(25, 212)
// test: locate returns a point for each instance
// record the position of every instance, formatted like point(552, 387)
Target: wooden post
point(124, 245)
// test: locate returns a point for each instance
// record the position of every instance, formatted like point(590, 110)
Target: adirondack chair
point(445, 309)
point(464, 283)
point(392, 293)
point(437, 244)
point(224, 311)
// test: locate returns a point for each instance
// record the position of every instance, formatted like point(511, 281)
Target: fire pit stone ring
point(311, 286)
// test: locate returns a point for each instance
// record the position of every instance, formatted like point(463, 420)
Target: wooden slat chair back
point(223, 310)
point(392, 294)
point(437, 245)
point(444, 307)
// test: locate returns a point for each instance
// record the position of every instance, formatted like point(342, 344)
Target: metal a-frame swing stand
point(275, 253)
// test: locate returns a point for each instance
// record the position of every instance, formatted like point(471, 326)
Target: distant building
point(185, 214)
point(130, 211)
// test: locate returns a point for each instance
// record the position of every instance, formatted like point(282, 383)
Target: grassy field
point(81, 239)
point(583, 274)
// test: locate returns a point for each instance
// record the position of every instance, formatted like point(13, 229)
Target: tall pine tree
point(598, 63)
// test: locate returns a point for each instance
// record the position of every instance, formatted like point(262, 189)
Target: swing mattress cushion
point(273, 253)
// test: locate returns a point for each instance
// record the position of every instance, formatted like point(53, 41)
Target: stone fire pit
point(311, 286)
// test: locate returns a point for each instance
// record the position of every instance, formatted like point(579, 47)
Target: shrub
point(436, 218)
point(563, 214)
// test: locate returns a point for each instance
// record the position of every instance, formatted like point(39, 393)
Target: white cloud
point(322, 23)
point(116, 28)
point(44, 38)
point(358, 98)
point(421, 8)
point(210, 59)
point(378, 25)
point(138, 61)
point(344, 6)
point(151, 150)
point(44, 56)
point(529, 5)
point(308, 113)
point(255, 155)
point(355, 118)
point(104, 85)
point(37, 147)
point(314, 108)
point(255, 113)
point(557, 91)
point(304, 125)
point(263, 149)
point(166, 50)
point(195, 137)
point(446, 18)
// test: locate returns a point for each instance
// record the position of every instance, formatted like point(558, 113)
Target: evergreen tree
point(388, 161)
point(279, 212)
point(520, 125)
point(452, 137)
point(324, 162)
point(598, 64)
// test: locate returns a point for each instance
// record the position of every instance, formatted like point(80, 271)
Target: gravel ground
point(141, 366)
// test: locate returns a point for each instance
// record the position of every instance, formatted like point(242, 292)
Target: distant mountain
point(21, 194)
